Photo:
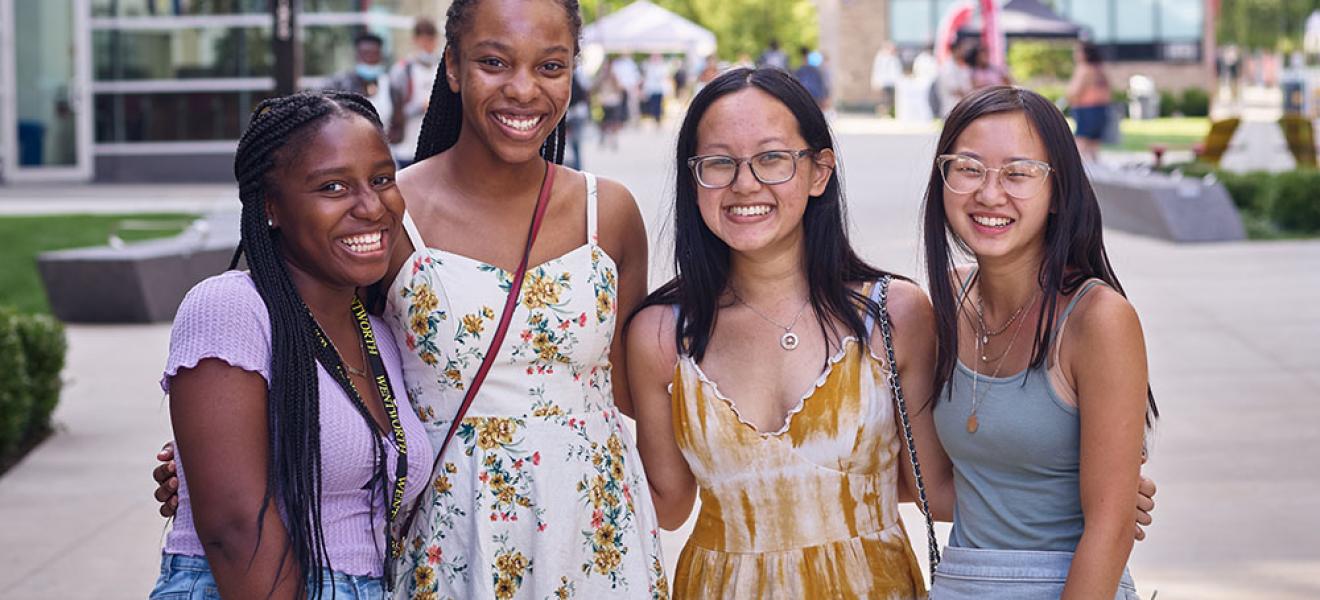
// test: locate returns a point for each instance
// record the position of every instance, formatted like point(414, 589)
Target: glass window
point(1181, 19)
point(1134, 20)
point(910, 22)
point(174, 8)
point(192, 53)
point(388, 6)
point(173, 117)
point(1094, 15)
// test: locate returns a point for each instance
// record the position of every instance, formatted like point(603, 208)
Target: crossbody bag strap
point(896, 390)
point(510, 303)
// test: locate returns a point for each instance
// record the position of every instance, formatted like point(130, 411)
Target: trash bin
point(31, 143)
point(1143, 98)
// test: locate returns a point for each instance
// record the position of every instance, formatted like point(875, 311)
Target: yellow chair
point(1216, 141)
point(1301, 139)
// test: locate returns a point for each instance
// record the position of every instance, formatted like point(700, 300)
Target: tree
point(740, 26)
point(1264, 24)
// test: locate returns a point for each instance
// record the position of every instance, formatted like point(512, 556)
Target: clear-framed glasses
point(715, 171)
point(1020, 179)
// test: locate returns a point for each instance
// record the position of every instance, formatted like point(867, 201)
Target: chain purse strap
point(896, 390)
point(510, 304)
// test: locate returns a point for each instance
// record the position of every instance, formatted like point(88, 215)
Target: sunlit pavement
point(1233, 332)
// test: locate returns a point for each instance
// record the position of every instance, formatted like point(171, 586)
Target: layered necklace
point(984, 334)
point(788, 341)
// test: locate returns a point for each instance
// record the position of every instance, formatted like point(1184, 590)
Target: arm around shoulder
point(653, 357)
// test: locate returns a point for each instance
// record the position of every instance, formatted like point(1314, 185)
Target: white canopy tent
point(643, 27)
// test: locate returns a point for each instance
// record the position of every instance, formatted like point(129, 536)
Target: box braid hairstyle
point(293, 408)
point(444, 115)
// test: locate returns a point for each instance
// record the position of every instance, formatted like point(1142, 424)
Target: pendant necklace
point(347, 367)
point(788, 341)
point(981, 340)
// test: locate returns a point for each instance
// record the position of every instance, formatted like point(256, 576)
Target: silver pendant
point(788, 341)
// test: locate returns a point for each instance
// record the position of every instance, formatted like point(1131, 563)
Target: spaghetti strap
point(1086, 286)
point(592, 238)
point(876, 289)
point(414, 236)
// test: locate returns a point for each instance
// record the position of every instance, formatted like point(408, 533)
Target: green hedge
point(1286, 203)
point(32, 351)
point(45, 346)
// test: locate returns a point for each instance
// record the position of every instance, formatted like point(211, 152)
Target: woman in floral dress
point(540, 494)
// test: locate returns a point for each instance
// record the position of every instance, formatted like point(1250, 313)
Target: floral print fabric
point(541, 493)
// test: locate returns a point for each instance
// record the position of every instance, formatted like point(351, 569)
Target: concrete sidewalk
point(1233, 332)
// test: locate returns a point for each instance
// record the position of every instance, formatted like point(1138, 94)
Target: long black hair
point(293, 473)
point(1074, 240)
point(701, 260)
point(444, 115)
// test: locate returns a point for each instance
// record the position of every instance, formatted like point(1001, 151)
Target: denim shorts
point(189, 578)
point(975, 573)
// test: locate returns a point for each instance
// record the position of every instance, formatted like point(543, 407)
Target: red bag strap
point(510, 303)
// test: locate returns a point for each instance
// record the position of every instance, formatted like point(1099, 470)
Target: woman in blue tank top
point(1043, 401)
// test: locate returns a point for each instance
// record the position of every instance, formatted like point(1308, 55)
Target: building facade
point(159, 90)
point(1171, 41)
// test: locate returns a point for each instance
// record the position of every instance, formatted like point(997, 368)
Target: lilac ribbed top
point(224, 317)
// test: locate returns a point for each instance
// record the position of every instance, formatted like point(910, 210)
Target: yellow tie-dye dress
point(809, 511)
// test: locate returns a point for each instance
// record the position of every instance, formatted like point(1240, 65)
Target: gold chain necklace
point(788, 341)
point(985, 333)
point(972, 422)
point(350, 368)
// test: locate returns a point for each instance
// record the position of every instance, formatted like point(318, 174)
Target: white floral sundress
point(541, 494)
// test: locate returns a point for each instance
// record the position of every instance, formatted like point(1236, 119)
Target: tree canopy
point(740, 26)
point(1264, 24)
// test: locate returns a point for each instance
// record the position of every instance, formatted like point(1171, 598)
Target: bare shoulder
point(616, 202)
point(908, 304)
point(622, 231)
point(651, 336)
point(1105, 318)
point(912, 317)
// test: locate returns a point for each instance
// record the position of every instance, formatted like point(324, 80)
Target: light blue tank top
point(1017, 476)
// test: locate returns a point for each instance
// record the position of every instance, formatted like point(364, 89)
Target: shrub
point(1195, 103)
point(1037, 59)
point(1168, 104)
point(15, 391)
point(1295, 203)
point(1250, 192)
point(44, 348)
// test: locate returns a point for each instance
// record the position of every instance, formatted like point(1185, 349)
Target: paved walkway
point(1234, 340)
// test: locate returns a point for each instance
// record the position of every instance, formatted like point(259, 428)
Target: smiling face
point(749, 215)
point(334, 201)
point(990, 222)
point(513, 68)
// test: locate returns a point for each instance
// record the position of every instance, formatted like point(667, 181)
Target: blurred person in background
point(773, 56)
point(1088, 96)
point(985, 74)
point(579, 114)
point(655, 76)
point(812, 76)
point(709, 70)
point(630, 79)
point(886, 71)
point(613, 101)
point(411, 79)
point(955, 76)
point(368, 77)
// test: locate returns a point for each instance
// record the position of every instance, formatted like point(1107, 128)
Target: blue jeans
point(980, 574)
point(189, 578)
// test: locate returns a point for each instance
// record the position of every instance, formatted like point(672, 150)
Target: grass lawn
point(25, 237)
point(1177, 133)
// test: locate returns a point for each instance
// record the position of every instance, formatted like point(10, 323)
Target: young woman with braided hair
point(541, 492)
point(281, 387)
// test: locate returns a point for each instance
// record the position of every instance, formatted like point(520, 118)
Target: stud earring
point(270, 223)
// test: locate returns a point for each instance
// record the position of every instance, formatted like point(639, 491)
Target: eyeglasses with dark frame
point(1020, 179)
point(716, 171)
